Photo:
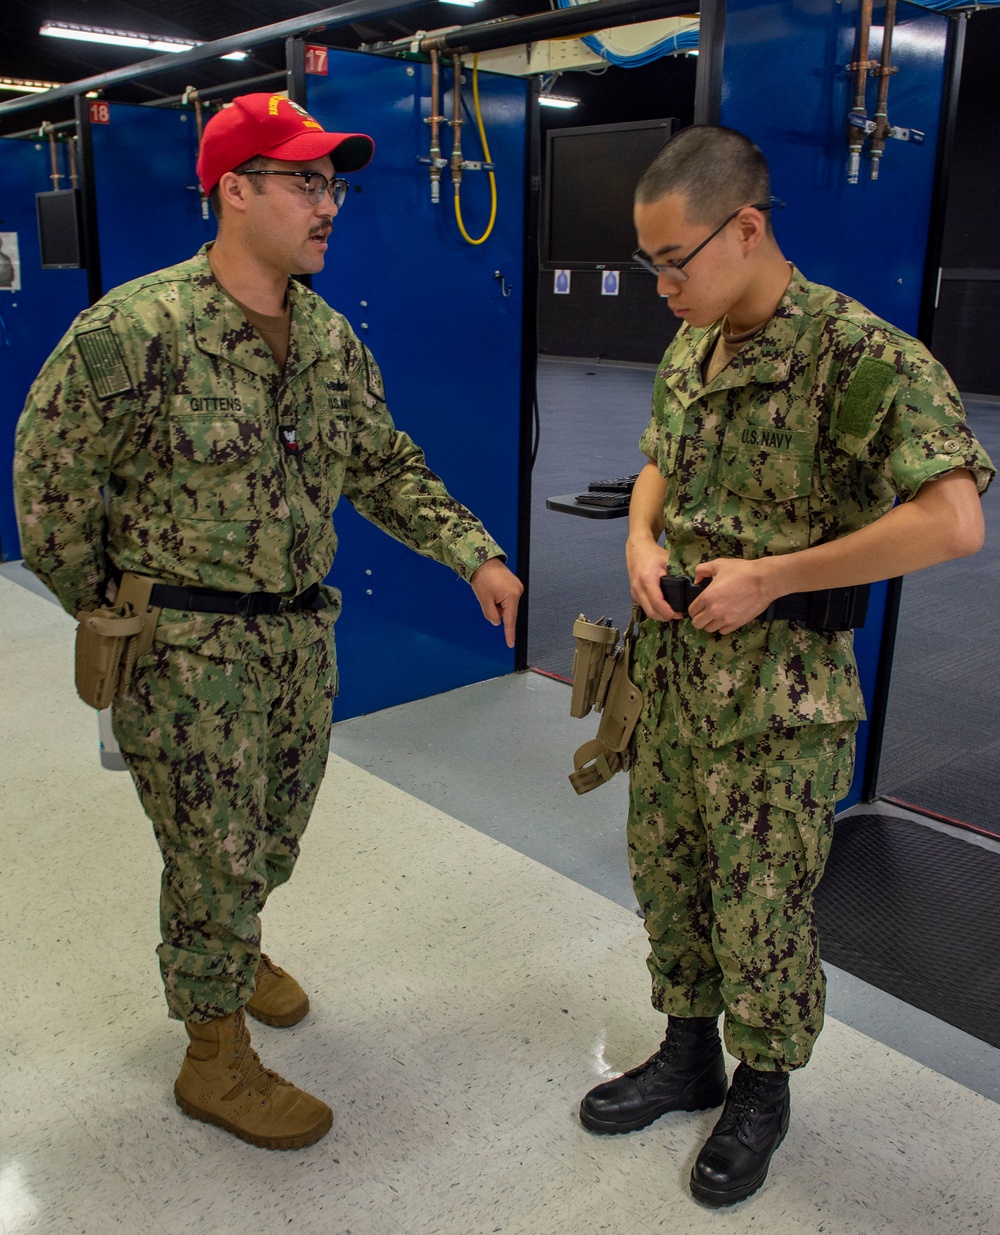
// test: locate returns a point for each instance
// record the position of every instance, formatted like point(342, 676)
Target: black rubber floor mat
point(913, 911)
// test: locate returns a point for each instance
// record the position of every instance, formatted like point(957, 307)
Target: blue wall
point(33, 319)
point(786, 86)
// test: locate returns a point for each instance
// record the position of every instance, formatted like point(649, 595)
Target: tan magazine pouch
point(109, 640)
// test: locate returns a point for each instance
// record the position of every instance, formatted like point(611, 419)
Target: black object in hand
point(679, 591)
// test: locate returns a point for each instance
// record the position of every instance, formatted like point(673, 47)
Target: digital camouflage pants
point(726, 847)
point(227, 758)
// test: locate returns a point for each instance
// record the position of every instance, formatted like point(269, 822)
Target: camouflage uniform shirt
point(809, 433)
point(219, 470)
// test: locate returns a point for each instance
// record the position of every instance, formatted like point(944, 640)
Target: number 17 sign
point(316, 59)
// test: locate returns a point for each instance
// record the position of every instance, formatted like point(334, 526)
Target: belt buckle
point(286, 604)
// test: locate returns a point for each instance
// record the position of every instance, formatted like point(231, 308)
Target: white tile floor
point(464, 997)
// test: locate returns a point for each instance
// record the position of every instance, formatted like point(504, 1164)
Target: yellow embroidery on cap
point(272, 104)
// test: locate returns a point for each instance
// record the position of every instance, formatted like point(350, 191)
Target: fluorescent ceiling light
point(555, 100)
point(124, 38)
point(16, 86)
point(466, 4)
point(26, 87)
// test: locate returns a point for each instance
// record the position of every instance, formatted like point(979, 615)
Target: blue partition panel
point(449, 344)
point(149, 212)
point(33, 318)
point(786, 86)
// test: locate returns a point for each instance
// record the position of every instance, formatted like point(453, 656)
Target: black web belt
point(246, 604)
point(836, 608)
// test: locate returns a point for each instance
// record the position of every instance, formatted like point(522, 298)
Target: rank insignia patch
point(105, 363)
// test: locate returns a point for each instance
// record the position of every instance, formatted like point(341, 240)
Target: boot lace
point(265, 964)
point(249, 1073)
point(748, 1096)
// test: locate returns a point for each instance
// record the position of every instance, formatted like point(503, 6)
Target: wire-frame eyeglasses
point(316, 184)
point(675, 270)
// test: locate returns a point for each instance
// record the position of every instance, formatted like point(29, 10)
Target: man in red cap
point(187, 442)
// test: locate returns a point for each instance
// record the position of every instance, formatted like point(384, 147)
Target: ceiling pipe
point(342, 15)
point(212, 92)
point(554, 23)
point(36, 133)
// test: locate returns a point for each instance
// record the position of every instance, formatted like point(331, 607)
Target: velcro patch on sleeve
point(373, 375)
point(102, 354)
point(871, 380)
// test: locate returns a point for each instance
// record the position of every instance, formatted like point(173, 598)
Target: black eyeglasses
point(316, 184)
point(675, 270)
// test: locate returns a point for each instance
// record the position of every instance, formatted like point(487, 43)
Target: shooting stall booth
point(452, 323)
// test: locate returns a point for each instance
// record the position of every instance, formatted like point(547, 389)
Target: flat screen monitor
point(59, 229)
point(590, 177)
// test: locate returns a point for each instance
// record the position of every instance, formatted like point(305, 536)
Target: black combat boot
point(687, 1073)
point(733, 1161)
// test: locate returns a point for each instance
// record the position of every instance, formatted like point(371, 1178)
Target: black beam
point(954, 54)
point(529, 362)
point(295, 70)
point(561, 23)
point(711, 46)
point(342, 15)
point(88, 200)
point(880, 702)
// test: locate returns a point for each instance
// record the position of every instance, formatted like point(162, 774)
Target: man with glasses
point(195, 430)
point(786, 421)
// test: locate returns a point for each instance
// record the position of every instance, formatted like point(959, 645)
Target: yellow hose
point(486, 158)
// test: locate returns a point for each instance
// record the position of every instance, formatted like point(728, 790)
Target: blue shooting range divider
point(785, 85)
point(448, 342)
point(148, 206)
point(33, 318)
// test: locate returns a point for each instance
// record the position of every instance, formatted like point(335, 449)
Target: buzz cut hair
point(715, 169)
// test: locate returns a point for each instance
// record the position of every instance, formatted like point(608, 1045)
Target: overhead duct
point(555, 23)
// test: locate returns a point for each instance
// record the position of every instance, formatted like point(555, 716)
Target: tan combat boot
point(223, 1082)
point(277, 999)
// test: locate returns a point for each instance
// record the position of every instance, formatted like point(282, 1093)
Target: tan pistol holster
point(109, 641)
point(602, 681)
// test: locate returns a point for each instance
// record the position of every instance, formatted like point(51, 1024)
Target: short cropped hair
point(259, 182)
point(716, 169)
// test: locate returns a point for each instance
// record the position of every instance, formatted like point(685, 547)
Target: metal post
point(88, 201)
point(954, 54)
point(529, 362)
point(711, 48)
point(880, 700)
point(295, 67)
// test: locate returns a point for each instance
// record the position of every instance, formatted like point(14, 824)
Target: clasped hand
point(738, 592)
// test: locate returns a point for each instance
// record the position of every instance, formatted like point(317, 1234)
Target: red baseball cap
point(271, 125)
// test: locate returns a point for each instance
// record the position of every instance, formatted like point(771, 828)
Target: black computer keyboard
point(621, 484)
